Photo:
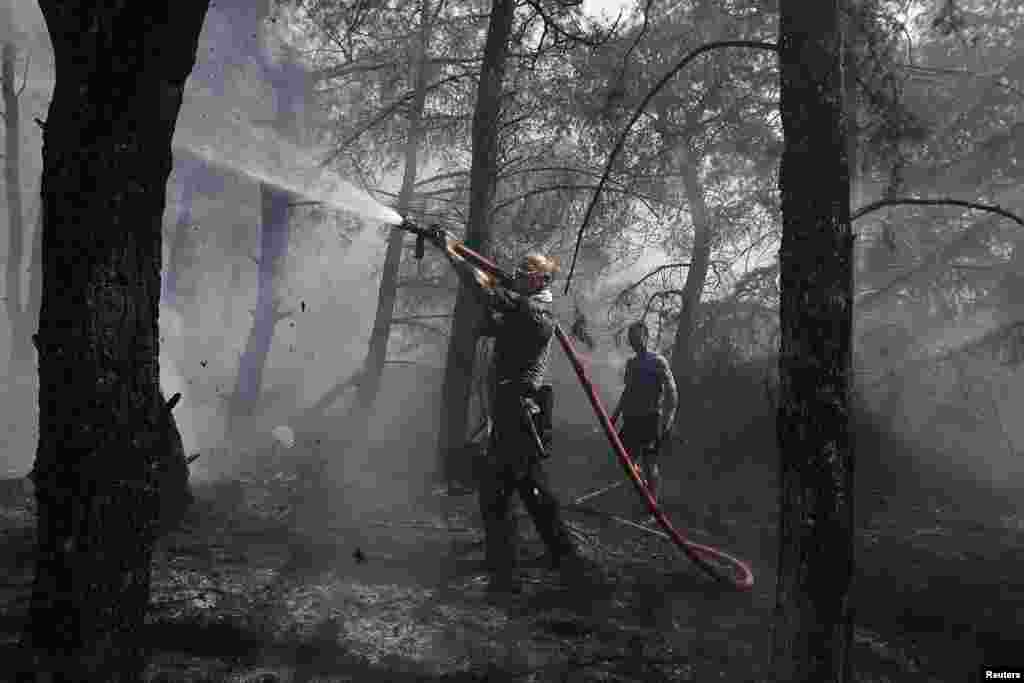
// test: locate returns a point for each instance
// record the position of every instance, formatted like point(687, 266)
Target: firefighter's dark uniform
point(650, 391)
point(522, 326)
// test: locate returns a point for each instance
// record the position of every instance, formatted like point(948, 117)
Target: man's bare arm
point(469, 274)
point(671, 394)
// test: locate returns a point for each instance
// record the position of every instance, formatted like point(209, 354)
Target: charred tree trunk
point(683, 365)
point(105, 434)
point(373, 367)
point(458, 373)
point(812, 621)
point(17, 312)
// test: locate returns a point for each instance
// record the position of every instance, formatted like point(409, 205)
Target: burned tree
point(106, 435)
point(458, 374)
point(812, 626)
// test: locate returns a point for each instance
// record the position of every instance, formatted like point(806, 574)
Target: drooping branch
point(551, 23)
point(647, 201)
point(896, 201)
point(624, 294)
point(708, 47)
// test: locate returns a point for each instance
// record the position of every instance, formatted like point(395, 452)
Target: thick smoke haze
point(330, 277)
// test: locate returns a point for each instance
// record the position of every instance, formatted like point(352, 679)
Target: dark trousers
point(640, 437)
point(511, 467)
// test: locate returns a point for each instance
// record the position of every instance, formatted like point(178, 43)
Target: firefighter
point(647, 405)
point(520, 320)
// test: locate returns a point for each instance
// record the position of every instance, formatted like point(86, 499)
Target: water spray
point(316, 183)
point(707, 558)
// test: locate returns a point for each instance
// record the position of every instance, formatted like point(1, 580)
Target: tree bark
point(683, 365)
point(812, 620)
point(373, 367)
point(105, 432)
point(20, 323)
point(458, 373)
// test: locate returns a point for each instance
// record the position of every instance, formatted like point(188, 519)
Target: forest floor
point(240, 596)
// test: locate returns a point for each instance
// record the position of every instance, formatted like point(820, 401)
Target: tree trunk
point(20, 323)
point(104, 430)
point(683, 365)
point(812, 621)
point(289, 85)
point(274, 234)
point(458, 373)
point(373, 367)
point(196, 177)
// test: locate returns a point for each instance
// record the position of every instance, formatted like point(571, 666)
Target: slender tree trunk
point(35, 276)
point(104, 430)
point(21, 347)
point(274, 234)
point(683, 365)
point(458, 373)
point(196, 176)
point(289, 85)
point(373, 367)
point(812, 621)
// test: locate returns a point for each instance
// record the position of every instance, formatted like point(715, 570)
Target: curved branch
point(751, 44)
point(568, 35)
point(567, 186)
point(624, 293)
point(882, 203)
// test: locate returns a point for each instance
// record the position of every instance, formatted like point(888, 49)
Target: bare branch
point(405, 319)
point(750, 44)
point(555, 188)
point(24, 75)
point(381, 116)
point(668, 266)
point(882, 203)
point(422, 326)
point(550, 22)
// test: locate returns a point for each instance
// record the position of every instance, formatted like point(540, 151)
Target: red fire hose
point(743, 578)
point(695, 551)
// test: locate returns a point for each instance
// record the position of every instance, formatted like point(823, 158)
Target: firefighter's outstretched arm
point(473, 277)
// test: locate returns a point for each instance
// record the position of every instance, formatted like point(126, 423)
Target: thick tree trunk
point(458, 373)
point(683, 365)
point(20, 322)
point(104, 431)
point(373, 367)
point(812, 624)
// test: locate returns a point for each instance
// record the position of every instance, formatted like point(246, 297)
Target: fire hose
point(701, 555)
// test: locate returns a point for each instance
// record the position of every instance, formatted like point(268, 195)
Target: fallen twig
point(595, 494)
point(422, 525)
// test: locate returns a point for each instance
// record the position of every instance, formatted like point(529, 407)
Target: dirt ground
point(259, 587)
